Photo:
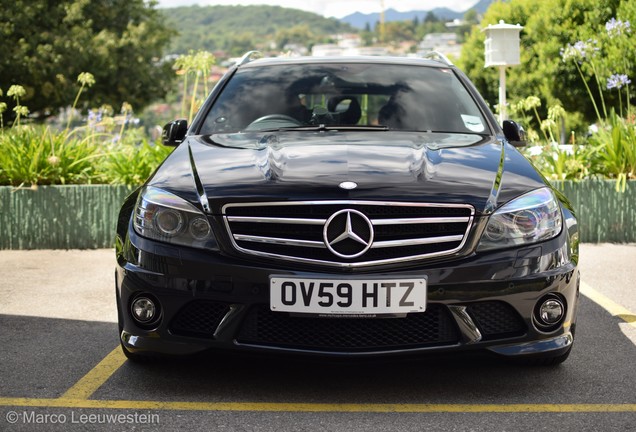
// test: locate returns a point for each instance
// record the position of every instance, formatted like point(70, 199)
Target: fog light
point(549, 312)
point(144, 310)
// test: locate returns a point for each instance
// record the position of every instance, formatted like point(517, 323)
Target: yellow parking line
point(609, 305)
point(78, 395)
point(85, 387)
point(318, 407)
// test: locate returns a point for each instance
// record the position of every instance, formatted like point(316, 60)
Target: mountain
point(359, 20)
point(234, 30)
point(237, 29)
point(482, 6)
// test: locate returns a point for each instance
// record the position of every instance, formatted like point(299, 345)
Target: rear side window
point(401, 97)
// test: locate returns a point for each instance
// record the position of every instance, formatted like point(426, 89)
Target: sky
point(335, 8)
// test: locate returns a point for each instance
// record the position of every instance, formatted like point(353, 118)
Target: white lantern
point(502, 49)
point(502, 44)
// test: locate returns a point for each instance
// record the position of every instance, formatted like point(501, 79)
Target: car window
point(401, 97)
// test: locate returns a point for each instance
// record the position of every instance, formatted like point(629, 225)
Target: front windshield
point(397, 97)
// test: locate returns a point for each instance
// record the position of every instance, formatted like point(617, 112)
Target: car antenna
point(438, 56)
point(249, 56)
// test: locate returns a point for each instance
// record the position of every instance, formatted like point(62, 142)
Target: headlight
point(531, 218)
point(163, 216)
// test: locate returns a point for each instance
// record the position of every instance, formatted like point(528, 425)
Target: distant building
point(373, 51)
point(294, 49)
point(445, 43)
point(456, 23)
point(347, 44)
point(322, 50)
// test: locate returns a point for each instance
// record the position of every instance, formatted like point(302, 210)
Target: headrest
point(351, 115)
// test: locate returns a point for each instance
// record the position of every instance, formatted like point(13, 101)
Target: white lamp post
point(502, 49)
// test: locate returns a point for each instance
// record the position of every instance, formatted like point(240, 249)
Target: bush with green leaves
point(35, 155)
point(615, 150)
point(559, 163)
point(131, 162)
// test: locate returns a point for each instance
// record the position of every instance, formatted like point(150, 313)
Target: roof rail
point(438, 56)
point(249, 56)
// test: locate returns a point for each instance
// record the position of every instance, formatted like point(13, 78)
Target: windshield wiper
point(323, 127)
point(448, 132)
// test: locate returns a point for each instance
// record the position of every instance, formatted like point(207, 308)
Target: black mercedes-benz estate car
point(349, 206)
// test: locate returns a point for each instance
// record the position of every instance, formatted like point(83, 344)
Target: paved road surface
point(61, 369)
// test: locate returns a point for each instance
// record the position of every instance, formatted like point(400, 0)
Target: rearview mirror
point(514, 133)
point(174, 133)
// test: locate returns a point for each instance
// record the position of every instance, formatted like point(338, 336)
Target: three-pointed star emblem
point(348, 233)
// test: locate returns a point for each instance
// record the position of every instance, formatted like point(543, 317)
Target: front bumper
point(480, 302)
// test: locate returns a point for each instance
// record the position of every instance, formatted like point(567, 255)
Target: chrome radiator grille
point(348, 233)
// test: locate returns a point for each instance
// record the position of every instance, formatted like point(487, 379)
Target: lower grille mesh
point(496, 319)
point(261, 326)
point(264, 327)
point(200, 318)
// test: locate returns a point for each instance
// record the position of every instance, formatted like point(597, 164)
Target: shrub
point(32, 155)
point(131, 163)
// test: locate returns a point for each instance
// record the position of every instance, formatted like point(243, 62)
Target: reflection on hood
point(418, 167)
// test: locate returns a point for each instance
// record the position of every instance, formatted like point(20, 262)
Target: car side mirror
point(174, 133)
point(514, 133)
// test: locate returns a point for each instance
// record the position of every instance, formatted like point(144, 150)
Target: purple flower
point(616, 27)
point(94, 117)
point(617, 81)
point(579, 50)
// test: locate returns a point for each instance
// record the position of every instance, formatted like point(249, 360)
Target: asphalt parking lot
point(61, 368)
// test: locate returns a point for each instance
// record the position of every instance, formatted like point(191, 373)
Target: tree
point(549, 26)
point(398, 31)
point(471, 19)
point(431, 17)
point(239, 44)
point(299, 34)
point(46, 45)
point(431, 24)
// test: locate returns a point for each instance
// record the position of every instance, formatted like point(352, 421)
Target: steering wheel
point(273, 121)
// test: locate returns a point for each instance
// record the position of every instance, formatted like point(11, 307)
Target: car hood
point(396, 166)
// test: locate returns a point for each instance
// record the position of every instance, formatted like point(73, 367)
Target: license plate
point(349, 297)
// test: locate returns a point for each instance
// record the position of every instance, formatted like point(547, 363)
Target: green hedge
point(84, 217)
